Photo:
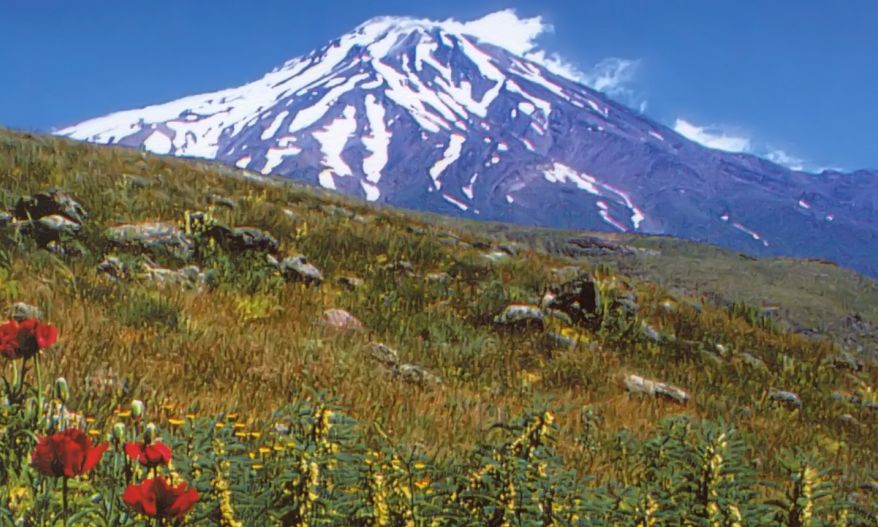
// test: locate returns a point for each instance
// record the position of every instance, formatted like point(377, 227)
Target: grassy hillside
point(249, 343)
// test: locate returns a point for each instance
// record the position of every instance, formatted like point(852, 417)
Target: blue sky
point(793, 77)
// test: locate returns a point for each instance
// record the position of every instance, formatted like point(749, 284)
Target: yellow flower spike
point(278, 448)
point(94, 433)
point(239, 426)
point(291, 444)
point(251, 455)
point(220, 425)
point(191, 417)
point(173, 421)
point(241, 435)
point(89, 419)
point(422, 484)
point(232, 417)
point(264, 450)
point(124, 413)
point(257, 466)
point(168, 406)
point(255, 435)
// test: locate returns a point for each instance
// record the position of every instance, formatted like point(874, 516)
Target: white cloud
point(781, 157)
point(519, 35)
point(712, 137)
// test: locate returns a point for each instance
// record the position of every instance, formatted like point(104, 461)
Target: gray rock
point(297, 269)
point(560, 341)
point(579, 298)
point(113, 267)
point(5, 218)
point(653, 334)
point(847, 361)
point(351, 283)
point(496, 256)
point(59, 224)
point(384, 354)
point(222, 201)
point(521, 316)
point(137, 181)
point(439, 278)
point(509, 248)
point(340, 320)
point(401, 266)
point(21, 311)
point(151, 236)
point(49, 203)
point(417, 375)
point(241, 239)
point(638, 384)
point(335, 210)
point(560, 316)
point(753, 361)
point(788, 399)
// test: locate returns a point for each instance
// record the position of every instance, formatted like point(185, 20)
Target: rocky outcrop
point(579, 298)
point(340, 321)
point(53, 202)
point(297, 269)
point(521, 317)
point(239, 239)
point(638, 384)
point(151, 236)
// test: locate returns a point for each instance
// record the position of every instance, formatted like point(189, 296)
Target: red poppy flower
point(24, 340)
point(68, 453)
point(151, 455)
point(157, 499)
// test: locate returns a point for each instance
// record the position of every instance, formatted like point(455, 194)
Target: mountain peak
point(455, 117)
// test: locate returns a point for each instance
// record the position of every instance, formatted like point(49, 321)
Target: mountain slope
point(419, 114)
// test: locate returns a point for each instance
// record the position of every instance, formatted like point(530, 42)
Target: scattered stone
point(638, 384)
point(50, 203)
point(335, 210)
point(496, 256)
point(293, 215)
point(189, 276)
point(5, 218)
point(579, 298)
point(340, 320)
point(351, 283)
point(21, 311)
point(846, 360)
point(384, 354)
point(753, 361)
point(222, 201)
point(560, 341)
point(788, 399)
point(653, 334)
point(721, 350)
point(297, 269)
point(560, 316)
point(113, 267)
point(668, 306)
point(59, 224)
point(137, 181)
point(417, 375)
point(151, 236)
point(362, 219)
point(849, 420)
point(521, 316)
point(240, 239)
point(440, 278)
point(509, 248)
point(401, 266)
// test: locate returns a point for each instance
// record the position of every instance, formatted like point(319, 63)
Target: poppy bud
point(62, 390)
point(137, 408)
point(119, 432)
point(150, 433)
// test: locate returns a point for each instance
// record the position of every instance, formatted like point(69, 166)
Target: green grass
point(251, 344)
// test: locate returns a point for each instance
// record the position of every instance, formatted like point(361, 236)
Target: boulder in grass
point(340, 320)
point(165, 237)
point(753, 361)
point(788, 399)
point(222, 201)
point(417, 375)
point(438, 278)
point(384, 354)
point(297, 269)
point(50, 203)
point(351, 283)
point(579, 298)
point(239, 239)
point(5, 218)
point(521, 316)
point(113, 267)
point(21, 311)
point(638, 384)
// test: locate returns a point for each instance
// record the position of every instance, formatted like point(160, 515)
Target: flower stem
point(64, 499)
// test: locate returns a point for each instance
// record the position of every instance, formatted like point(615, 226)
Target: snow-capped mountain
point(424, 115)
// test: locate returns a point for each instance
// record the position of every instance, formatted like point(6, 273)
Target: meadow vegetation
point(276, 419)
